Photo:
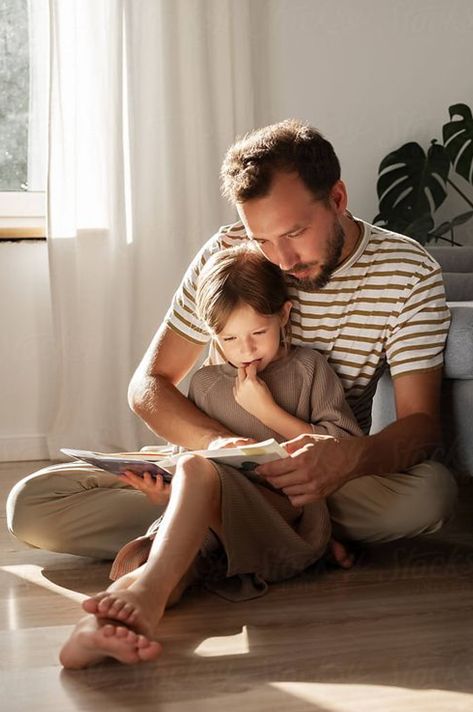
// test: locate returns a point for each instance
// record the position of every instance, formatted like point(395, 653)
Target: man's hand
point(251, 393)
point(155, 489)
point(318, 466)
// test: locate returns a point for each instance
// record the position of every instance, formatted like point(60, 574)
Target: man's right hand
point(219, 443)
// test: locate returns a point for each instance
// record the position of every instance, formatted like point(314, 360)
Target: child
point(232, 530)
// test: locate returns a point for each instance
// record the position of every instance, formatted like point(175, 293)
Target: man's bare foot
point(93, 641)
point(340, 555)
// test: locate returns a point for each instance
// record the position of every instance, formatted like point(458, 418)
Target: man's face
point(299, 233)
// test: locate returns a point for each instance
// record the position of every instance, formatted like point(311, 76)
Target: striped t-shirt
point(384, 305)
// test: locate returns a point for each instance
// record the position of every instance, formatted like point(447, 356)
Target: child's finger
point(251, 371)
point(156, 482)
point(132, 479)
point(148, 479)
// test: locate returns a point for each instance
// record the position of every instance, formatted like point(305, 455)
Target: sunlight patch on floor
point(372, 698)
point(224, 645)
point(34, 574)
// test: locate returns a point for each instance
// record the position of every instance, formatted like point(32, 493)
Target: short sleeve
point(417, 340)
point(181, 315)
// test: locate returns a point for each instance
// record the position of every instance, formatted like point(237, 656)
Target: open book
point(243, 457)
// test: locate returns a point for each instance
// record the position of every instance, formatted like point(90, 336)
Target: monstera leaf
point(458, 140)
point(420, 228)
point(412, 183)
point(450, 225)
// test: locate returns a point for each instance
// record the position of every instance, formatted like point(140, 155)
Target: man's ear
point(338, 197)
point(285, 311)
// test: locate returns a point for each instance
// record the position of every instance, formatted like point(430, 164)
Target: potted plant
point(413, 184)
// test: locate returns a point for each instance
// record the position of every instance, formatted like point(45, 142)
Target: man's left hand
point(318, 466)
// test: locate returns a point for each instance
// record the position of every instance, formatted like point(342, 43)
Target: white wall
point(371, 74)
point(26, 350)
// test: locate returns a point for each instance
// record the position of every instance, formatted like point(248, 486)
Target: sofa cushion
point(453, 259)
point(459, 347)
point(458, 286)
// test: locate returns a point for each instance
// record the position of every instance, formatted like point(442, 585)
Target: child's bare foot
point(93, 641)
point(135, 606)
point(129, 602)
point(340, 554)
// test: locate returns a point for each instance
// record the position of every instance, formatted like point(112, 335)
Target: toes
point(90, 605)
point(149, 651)
point(107, 605)
point(128, 612)
point(93, 604)
point(126, 635)
point(340, 554)
point(108, 630)
point(116, 607)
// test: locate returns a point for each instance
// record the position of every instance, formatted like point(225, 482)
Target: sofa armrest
point(459, 347)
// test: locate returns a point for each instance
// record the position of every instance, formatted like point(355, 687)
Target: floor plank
point(392, 634)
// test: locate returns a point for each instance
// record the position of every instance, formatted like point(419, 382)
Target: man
point(364, 297)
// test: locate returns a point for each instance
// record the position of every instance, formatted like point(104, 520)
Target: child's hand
point(154, 488)
point(251, 393)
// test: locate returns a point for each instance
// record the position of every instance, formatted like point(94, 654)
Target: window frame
point(22, 215)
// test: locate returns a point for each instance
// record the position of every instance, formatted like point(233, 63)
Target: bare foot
point(135, 606)
point(93, 641)
point(129, 602)
point(340, 554)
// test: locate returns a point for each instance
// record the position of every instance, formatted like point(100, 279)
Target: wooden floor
point(394, 633)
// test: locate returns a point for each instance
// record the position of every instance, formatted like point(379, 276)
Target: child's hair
point(236, 276)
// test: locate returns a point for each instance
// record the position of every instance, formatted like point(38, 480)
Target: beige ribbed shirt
point(302, 383)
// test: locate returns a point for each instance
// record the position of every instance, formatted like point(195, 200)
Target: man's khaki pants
point(78, 509)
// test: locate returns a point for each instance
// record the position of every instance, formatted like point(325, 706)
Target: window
point(23, 117)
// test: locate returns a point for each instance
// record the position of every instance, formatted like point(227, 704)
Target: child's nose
point(249, 347)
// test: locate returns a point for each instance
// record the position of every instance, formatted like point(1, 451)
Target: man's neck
point(353, 234)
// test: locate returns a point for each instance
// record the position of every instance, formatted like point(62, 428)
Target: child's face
point(249, 337)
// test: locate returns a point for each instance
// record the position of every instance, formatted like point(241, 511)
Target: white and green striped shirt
point(385, 305)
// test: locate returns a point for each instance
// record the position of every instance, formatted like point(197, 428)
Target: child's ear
point(285, 311)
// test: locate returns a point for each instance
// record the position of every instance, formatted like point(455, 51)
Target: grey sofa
point(457, 387)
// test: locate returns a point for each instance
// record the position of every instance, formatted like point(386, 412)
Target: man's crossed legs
point(78, 509)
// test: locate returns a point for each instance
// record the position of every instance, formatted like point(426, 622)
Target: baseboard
point(17, 448)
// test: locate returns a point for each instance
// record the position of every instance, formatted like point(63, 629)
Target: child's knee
point(197, 469)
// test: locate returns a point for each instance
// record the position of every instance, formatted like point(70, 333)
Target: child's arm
point(330, 413)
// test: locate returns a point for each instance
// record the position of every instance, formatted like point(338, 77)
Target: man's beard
point(334, 252)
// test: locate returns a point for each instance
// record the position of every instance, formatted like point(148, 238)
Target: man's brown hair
point(289, 146)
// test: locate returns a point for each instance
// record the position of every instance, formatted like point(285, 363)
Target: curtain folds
point(144, 99)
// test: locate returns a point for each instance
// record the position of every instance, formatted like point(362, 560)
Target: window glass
point(14, 91)
point(23, 94)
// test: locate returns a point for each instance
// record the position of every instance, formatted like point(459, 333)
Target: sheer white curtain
point(145, 95)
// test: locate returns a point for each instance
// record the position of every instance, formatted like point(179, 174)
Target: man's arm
point(318, 468)
point(416, 433)
point(153, 395)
